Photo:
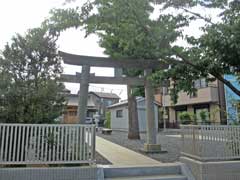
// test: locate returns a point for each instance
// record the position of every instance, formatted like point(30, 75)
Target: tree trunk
point(133, 127)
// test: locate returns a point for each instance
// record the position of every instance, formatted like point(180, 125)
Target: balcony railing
point(211, 142)
point(46, 144)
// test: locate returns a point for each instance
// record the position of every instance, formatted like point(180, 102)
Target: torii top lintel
point(80, 60)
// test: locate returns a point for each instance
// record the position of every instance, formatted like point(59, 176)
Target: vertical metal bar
point(6, 144)
point(46, 144)
point(26, 144)
point(35, 142)
point(73, 142)
point(58, 142)
point(77, 145)
point(11, 142)
point(0, 140)
point(83, 142)
point(42, 143)
point(50, 144)
point(65, 143)
point(19, 143)
point(69, 142)
point(225, 142)
point(62, 143)
point(217, 134)
point(238, 142)
point(233, 141)
point(53, 144)
point(38, 143)
point(15, 142)
point(23, 143)
point(88, 144)
point(93, 143)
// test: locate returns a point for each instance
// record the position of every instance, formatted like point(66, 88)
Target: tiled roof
point(106, 95)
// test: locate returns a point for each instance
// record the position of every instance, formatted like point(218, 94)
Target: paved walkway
point(119, 155)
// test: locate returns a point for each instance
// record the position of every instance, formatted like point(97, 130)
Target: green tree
point(125, 29)
point(29, 72)
point(108, 120)
point(215, 53)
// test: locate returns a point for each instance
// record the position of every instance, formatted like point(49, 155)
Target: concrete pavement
point(121, 156)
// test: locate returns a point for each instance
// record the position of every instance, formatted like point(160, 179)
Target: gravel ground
point(171, 144)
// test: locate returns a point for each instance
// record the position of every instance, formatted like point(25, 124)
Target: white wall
point(122, 123)
point(119, 123)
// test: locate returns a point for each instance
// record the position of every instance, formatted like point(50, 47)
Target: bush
point(108, 120)
point(187, 118)
point(203, 115)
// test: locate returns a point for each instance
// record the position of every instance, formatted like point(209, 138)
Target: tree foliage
point(127, 30)
point(29, 71)
point(216, 52)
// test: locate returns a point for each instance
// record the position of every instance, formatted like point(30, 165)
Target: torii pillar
point(151, 140)
point(83, 94)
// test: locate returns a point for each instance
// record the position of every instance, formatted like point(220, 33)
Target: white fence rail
point(211, 142)
point(46, 144)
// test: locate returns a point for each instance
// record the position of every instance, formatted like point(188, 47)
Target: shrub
point(108, 120)
point(203, 115)
point(187, 118)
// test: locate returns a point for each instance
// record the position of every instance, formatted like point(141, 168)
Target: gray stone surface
point(221, 170)
point(171, 144)
point(64, 173)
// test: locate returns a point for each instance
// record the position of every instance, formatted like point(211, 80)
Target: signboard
point(232, 100)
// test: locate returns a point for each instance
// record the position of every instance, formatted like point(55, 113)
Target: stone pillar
point(83, 94)
point(133, 125)
point(151, 141)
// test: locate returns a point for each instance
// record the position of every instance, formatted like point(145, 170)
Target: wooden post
point(151, 141)
point(83, 94)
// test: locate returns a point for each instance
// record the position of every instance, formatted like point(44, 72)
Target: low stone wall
point(220, 170)
point(61, 173)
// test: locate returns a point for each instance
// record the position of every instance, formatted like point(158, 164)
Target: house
point(119, 115)
point(209, 97)
point(97, 103)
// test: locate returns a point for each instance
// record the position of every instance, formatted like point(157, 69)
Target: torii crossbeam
point(85, 78)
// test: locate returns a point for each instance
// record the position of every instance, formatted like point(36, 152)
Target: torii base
point(153, 148)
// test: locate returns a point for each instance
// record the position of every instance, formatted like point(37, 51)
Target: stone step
point(171, 169)
point(162, 177)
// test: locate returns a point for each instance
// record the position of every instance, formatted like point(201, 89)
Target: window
point(108, 102)
point(72, 113)
point(200, 83)
point(119, 113)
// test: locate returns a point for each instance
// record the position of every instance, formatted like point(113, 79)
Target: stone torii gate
point(85, 78)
